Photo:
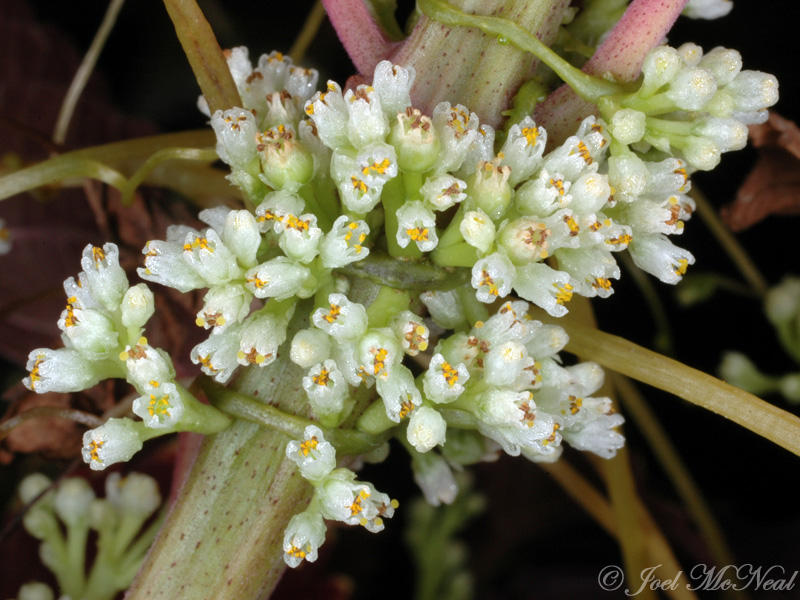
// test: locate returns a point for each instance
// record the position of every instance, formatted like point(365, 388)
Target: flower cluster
point(62, 518)
point(102, 326)
point(337, 496)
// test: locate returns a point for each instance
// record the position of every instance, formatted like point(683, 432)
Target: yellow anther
point(563, 293)
point(94, 450)
point(98, 255)
point(333, 313)
point(322, 378)
point(417, 234)
point(377, 167)
point(680, 268)
point(531, 134)
point(308, 445)
point(358, 184)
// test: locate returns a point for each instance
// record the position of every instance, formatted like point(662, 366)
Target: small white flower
point(426, 429)
point(416, 223)
point(589, 193)
point(379, 352)
point(343, 244)
point(492, 277)
point(224, 305)
point(329, 113)
point(435, 478)
point(415, 140)
point(660, 257)
point(278, 278)
point(489, 188)
point(304, 534)
point(72, 500)
point(392, 85)
point(261, 336)
point(164, 264)
point(106, 279)
point(411, 331)
point(591, 270)
point(366, 123)
point(116, 440)
point(315, 457)
point(628, 126)
point(442, 381)
point(544, 195)
point(144, 363)
point(545, 287)
point(445, 308)
point(523, 148)
point(61, 370)
point(136, 493)
point(89, 331)
point(660, 66)
point(241, 236)
point(309, 347)
point(504, 363)
point(138, 305)
point(477, 229)
point(399, 393)
point(344, 320)
point(724, 63)
point(218, 355)
point(209, 257)
point(443, 191)
point(360, 178)
point(326, 389)
point(457, 129)
point(342, 498)
point(236, 130)
point(161, 405)
point(276, 206)
point(300, 238)
point(707, 9)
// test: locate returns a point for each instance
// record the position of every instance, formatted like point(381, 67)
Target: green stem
point(455, 255)
point(58, 169)
point(387, 304)
point(207, 155)
point(586, 86)
point(392, 198)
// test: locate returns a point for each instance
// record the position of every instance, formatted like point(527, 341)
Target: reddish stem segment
point(643, 26)
point(360, 35)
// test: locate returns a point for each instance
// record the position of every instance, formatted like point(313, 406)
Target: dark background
point(533, 542)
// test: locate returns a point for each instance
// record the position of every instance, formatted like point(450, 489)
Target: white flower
point(329, 113)
point(411, 331)
point(326, 389)
point(399, 393)
point(300, 238)
point(443, 191)
point(278, 278)
point(136, 493)
point(416, 223)
point(61, 370)
point(379, 352)
point(138, 305)
point(261, 336)
point(442, 381)
point(209, 257)
point(342, 498)
point(477, 229)
point(457, 129)
point(116, 440)
point(218, 355)
point(366, 123)
point(241, 236)
point(343, 320)
point(224, 305)
point(72, 501)
point(660, 257)
point(236, 130)
point(545, 287)
point(315, 457)
point(161, 406)
point(523, 148)
point(309, 347)
point(275, 208)
point(106, 280)
point(343, 244)
point(304, 534)
point(392, 85)
point(89, 331)
point(144, 363)
point(435, 478)
point(415, 140)
point(445, 308)
point(360, 178)
point(426, 429)
point(492, 277)
point(707, 9)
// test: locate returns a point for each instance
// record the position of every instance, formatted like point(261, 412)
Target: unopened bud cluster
point(62, 518)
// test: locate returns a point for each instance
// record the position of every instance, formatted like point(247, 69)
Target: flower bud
point(138, 305)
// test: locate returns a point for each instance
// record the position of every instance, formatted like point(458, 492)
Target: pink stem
point(643, 26)
point(360, 35)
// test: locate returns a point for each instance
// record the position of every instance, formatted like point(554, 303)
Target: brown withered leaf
point(773, 186)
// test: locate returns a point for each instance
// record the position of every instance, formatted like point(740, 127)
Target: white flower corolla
point(753, 91)
point(544, 195)
point(300, 237)
point(580, 153)
point(426, 429)
point(206, 253)
point(481, 150)
point(278, 278)
point(398, 391)
point(660, 257)
point(61, 370)
point(301, 83)
point(707, 9)
point(261, 336)
point(590, 269)
point(241, 236)
point(304, 534)
point(116, 440)
point(344, 499)
point(160, 406)
point(505, 362)
point(106, 280)
point(379, 352)
point(435, 478)
point(326, 389)
point(660, 66)
point(444, 382)
point(727, 134)
point(343, 320)
point(281, 108)
point(309, 347)
point(144, 363)
point(343, 244)
point(628, 126)
point(416, 223)
point(589, 193)
point(134, 494)
point(545, 287)
point(276, 207)
point(164, 262)
point(412, 332)
point(548, 341)
point(628, 176)
point(597, 435)
point(522, 150)
point(457, 128)
point(345, 353)
point(692, 88)
point(89, 331)
point(513, 420)
point(445, 308)
point(236, 130)
point(415, 140)
point(724, 63)
point(285, 163)
point(330, 115)
point(218, 355)
point(531, 239)
point(392, 85)
point(360, 178)
point(477, 229)
point(510, 323)
point(224, 305)
point(492, 277)
point(489, 189)
point(690, 53)
point(443, 191)
point(366, 122)
point(314, 456)
point(138, 305)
